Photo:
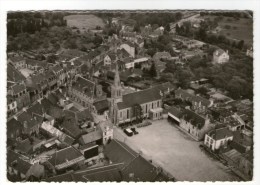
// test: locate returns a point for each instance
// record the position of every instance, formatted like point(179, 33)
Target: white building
point(217, 138)
point(220, 56)
point(129, 47)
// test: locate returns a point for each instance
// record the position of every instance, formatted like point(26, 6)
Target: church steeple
point(116, 89)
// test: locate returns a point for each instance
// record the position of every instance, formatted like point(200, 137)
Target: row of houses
point(124, 165)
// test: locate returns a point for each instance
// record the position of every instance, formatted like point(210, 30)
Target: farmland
point(84, 22)
point(235, 29)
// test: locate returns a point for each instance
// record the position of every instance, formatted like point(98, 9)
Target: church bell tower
point(116, 96)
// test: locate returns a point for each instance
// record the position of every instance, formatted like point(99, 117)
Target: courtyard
point(176, 153)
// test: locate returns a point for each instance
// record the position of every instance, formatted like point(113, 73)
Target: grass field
point(241, 29)
point(84, 22)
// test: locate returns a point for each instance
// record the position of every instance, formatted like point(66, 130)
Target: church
point(121, 107)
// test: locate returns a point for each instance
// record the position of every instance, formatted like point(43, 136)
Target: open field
point(176, 153)
point(237, 29)
point(84, 22)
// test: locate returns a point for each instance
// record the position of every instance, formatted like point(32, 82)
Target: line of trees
point(22, 22)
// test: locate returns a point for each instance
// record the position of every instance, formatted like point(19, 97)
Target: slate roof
point(112, 56)
point(242, 139)
point(139, 97)
point(64, 155)
point(12, 126)
point(175, 111)
point(70, 127)
point(13, 74)
point(36, 108)
point(36, 80)
point(84, 85)
point(100, 174)
point(133, 164)
point(84, 115)
point(91, 137)
point(220, 133)
point(101, 106)
point(119, 152)
point(31, 121)
point(141, 169)
point(193, 118)
point(66, 177)
point(185, 95)
point(20, 165)
point(123, 52)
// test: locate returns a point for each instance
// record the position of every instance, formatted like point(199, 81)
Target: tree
point(138, 112)
point(137, 27)
point(151, 51)
point(177, 29)
point(202, 91)
point(52, 59)
point(240, 44)
point(167, 27)
point(153, 71)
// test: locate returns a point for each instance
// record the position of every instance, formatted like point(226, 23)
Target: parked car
point(128, 132)
point(134, 131)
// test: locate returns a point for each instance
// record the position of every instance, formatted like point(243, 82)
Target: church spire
point(117, 78)
point(116, 89)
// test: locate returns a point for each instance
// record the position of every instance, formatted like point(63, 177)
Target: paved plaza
point(176, 152)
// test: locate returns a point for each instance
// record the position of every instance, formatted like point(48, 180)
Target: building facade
point(217, 138)
point(122, 107)
point(220, 56)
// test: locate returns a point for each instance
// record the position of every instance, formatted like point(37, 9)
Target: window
point(152, 105)
point(127, 116)
point(120, 114)
point(158, 104)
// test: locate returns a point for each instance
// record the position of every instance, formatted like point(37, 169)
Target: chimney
point(227, 51)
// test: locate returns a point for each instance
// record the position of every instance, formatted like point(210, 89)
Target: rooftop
point(119, 152)
point(184, 94)
point(139, 97)
point(64, 155)
point(91, 137)
point(193, 118)
point(220, 133)
point(84, 85)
